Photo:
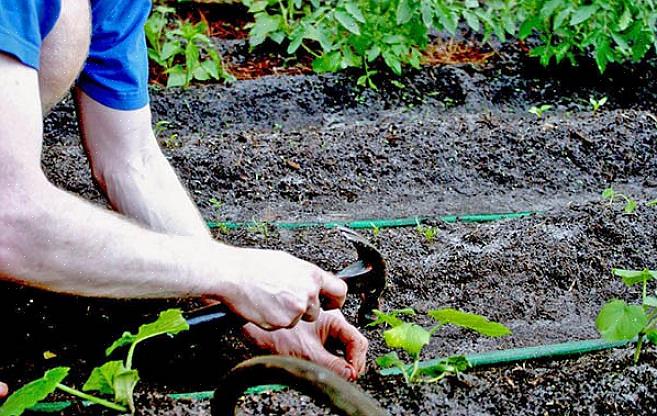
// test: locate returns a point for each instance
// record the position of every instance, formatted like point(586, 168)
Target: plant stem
point(637, 351)
point(93, 399)
point(416, 367)
point(310, 51)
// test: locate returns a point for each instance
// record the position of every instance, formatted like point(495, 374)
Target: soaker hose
point(550, 351)
point(378, 223)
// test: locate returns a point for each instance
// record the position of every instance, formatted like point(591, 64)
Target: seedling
point(429, 232)
point(182, 49)
point(172, 141)
point(652, 203)
point(117, 378)
point(160, 127)
point(596, 104)
point(538, 111)
point(376, 230)
point(612, 196)
point(620, 321)
point(216, 204)
point(412, 338)
point(259, 227)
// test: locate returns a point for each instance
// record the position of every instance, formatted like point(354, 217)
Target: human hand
point(306, 340)
point(274, 289)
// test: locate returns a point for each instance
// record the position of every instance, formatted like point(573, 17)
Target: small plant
point(160, 127)
point(116, 378)
point(412, 338)
point(172, 142)
point(652, 203)
point(429, 232)
point(258, 227)
point(216, 204)
point(620, 321)
point(376, 230)
point(596, 104)
point(182, 49)
point(612, 196)
point(538, 111)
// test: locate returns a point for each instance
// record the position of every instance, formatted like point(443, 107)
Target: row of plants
point(387, 35)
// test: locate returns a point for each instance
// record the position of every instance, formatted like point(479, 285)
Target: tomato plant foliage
point(343, 34)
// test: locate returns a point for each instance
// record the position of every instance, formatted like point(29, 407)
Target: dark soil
point(457, 139)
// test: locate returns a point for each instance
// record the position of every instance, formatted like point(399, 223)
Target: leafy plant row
point(343, 34)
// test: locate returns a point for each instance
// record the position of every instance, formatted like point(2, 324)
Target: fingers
point(3, 390)
point(355, 343)
point(312, 313)
point(335, 364)
point(333, 289)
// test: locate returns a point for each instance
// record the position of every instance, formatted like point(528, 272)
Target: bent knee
point(64, 51)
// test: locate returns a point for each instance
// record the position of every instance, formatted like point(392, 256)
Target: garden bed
point(455, 140)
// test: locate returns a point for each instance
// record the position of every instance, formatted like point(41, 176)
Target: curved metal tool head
point(367, 275)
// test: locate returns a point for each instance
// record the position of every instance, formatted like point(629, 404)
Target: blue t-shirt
point(116, 71)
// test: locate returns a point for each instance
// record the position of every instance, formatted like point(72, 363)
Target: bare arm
point(130, 167)
point(54, 240)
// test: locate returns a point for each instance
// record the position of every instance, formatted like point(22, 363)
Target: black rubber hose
point(309, 378)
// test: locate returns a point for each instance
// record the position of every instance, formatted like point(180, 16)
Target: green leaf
point(33, 392)
point(630, 206)
point(619, 321)
point(528, 26)
point(549, 8)
point(393, 62)
point(632, 277)
point(169, 322)
point(650, 301)
point(652, 336)
point(652, 203)
point(102, 378)
point(472, 20)
point(353, 9)
point(471, 4)
point(451, 365)
point(409, 337)
point(176, 77)
point(391, 359)
point(471, 321)
point(170, 49)
point(264, 25)
point(329, 62)
point(608, 193)
point(390, 318)
point(625, 20)
point(404, 12)
point(124, 386)
point(582, 14)
point(347, 21)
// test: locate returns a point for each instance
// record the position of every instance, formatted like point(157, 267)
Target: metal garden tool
point(366, 276)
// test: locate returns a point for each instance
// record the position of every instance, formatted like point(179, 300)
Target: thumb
point(3, 390)
point(335, 364)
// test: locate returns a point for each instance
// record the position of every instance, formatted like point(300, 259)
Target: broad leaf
point(124, 386)
point(102, 378)
point(450, 365)
point(169, 322)
point(33, 392)
point(409, 337)
point(471, 321)
point(618, 321)
point(650, 301)
point(632, 277)
point(652, 336)
point(355, 12)
point(404, 12)
point(582, 14)
point(347, 21)
point(391, 359)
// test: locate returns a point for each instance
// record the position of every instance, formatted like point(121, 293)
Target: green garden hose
point(378, 223)
point(549, 351)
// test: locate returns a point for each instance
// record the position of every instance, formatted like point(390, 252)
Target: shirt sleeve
point(23, 26)
point(116, 71)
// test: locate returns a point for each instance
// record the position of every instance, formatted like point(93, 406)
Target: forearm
point(131, 169)
point(56, 241)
